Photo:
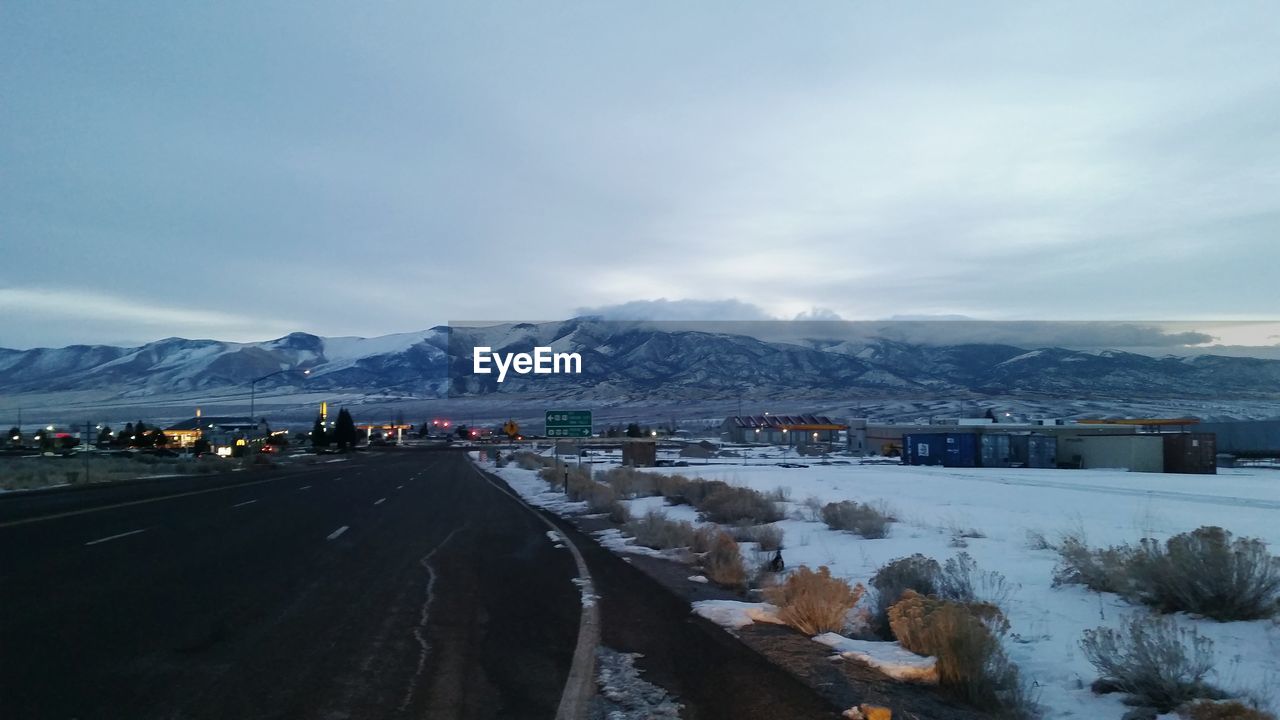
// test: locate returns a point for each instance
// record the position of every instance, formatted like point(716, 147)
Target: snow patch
point(889, 658)
point(736, 614)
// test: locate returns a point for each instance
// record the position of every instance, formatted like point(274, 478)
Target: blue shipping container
point(947, 449)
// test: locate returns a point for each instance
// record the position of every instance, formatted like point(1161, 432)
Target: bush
point(723, 562)
point(654, 530)
point(962, 581)
point(768, 537)
point(530, 461)
point(629, 482)
point(814, 602)
point(704, 537)
point(1203, 572)
point(1099, 570)
point(1225, 710)
point(965, 639)
point(730, 505)
point(1153, 660)
point(618, 513)
point(1206, 572)
point(864, 520)
point(917, 573)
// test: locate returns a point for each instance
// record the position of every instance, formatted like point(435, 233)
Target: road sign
point(511, 428)
point(568, 423)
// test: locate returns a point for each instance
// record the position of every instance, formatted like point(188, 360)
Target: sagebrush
point(1153, 660)
point(814, 602)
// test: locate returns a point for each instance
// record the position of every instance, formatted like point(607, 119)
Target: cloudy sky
point(240, 170)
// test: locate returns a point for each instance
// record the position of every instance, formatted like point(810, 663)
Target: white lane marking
point(305, 487)
point(334, 535)
point(580, 684)
point(379, 502)
point(246, 502)
point(115, 537)
point(337, 478)
point(419, 632)
point(399, 487)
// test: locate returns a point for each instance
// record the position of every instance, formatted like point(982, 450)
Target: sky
point(241, 170)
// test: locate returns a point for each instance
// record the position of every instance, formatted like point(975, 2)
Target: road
point(397, 584)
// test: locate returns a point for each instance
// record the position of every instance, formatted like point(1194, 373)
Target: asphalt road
point(400, 584)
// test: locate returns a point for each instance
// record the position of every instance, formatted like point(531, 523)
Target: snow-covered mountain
point(632, 360)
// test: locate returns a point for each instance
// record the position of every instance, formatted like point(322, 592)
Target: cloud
point(819, 314)
point(684, 310)
point(102, 317)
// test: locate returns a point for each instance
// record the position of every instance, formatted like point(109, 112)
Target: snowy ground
point(934, 505)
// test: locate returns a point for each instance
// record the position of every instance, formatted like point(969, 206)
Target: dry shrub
point(654, 530)
point(530, 461)
point(723, 562)
point(704, 537)
point(731, 505)
point(675, 488)
point(768, 537)
point(965, 639)
point(1204, 571)
point(859, 518)
point(814, 602)
point(1102, 570)
point(629, 482)
point(1153, 660)
point(962, 581)
point(917, 573)
point(1222, 710)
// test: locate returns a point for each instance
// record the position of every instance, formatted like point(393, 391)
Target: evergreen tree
point(14, 432)
point(634, 431)
point(462, 431)
point(319, 438)
point(345, 430)
point(104, 436)
point(158, 438)
point(125, 438)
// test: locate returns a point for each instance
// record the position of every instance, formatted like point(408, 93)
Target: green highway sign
point(569, 432)
point(568, 423)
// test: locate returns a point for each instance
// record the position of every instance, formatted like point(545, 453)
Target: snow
point(933, 505)
point(889, 658)
point(1107, 507)
point(736, 614)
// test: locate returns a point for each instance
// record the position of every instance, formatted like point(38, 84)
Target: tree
point(14, 432)
point(319, 438)
point(126, 436)
point(634, 431)
point(104, 436)
point(462, 431)
point(158, 438)
point(344, 432)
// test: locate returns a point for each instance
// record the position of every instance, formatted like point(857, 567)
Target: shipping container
point(998, 450)
point(1191, 453)
point(1042, 451)
point(1139, 453)
point(949, 449)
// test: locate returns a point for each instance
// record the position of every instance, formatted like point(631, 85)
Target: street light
point(253, 387)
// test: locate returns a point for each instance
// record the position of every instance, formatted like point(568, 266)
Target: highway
point(395, 584)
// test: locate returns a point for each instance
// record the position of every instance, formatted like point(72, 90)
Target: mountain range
point(630, 361)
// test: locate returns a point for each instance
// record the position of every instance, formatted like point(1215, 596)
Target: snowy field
point(934, 505)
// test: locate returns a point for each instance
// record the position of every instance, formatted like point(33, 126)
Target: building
point(217, 431)
point(786, 430)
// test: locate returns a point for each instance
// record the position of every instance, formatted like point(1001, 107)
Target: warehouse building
point(789, 430)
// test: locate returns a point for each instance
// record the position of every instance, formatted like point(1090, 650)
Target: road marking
point(399, 487)
point(334, 535)
point(580, 685)
point(246, 502)
point(73, 513)
point(379, 502)
point(109, 538)
point(305, 487)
